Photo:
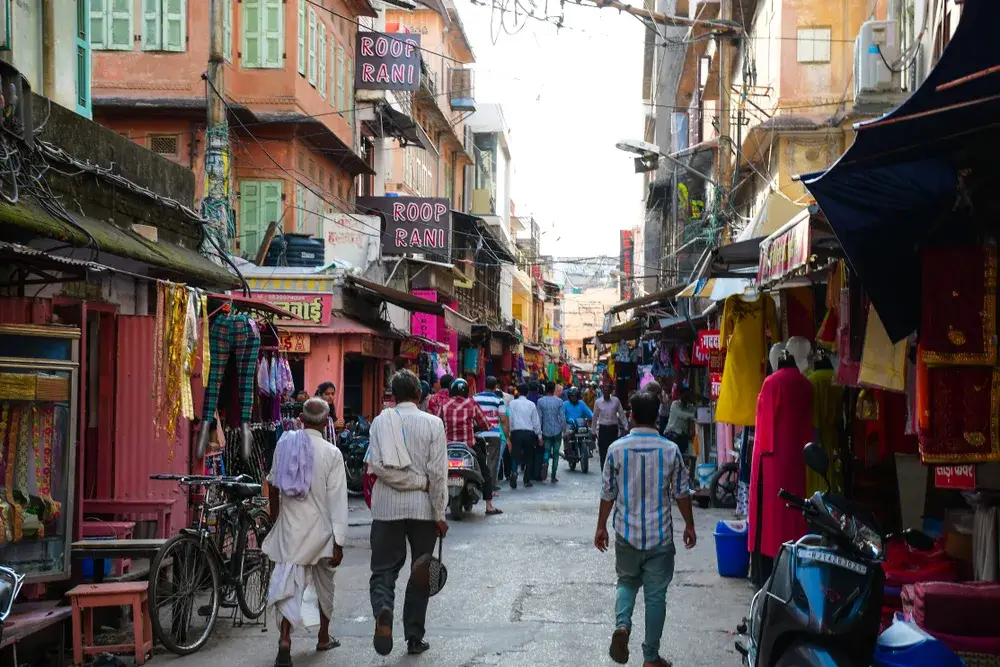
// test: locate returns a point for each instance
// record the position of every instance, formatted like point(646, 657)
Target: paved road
point(525, 588)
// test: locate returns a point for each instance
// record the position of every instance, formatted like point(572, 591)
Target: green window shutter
point(174, 25)
point(120, 25)
point(350, 91)
point(151, 25)
point(341, 102)
point(333, 70)
point(98, 24)
point(312, 46)
point(302, 37)
point(227, 31)
point(251, 33)
point(270, 197)
point(83, 58)
point(300, 209)
point(273, 32)
point(321, 80)
point(250, 232)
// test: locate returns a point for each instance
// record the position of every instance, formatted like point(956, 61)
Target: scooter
point(822, 604)
point(465, 479)
point(580, 445)
point(353, 444)
point(10, 587)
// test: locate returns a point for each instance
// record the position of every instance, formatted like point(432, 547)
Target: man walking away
point(525, 435)
point(532, 392)
point(408, 453)
point(441, 395)
point(610, 421)
point(644, 471)
point(307, 540)
point(492, 404)
point(462, 420)
point(681, 418)
point(553, 420)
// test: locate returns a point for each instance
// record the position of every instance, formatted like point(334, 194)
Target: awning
point(406, 301)
point(898, 182)
point(800, 245)
point(479, 228)
point(342, 326)
point(251, 304)
point(457, 322)
point(728, 260)
point(389, 122)
point(427, 341)
point(627, 331)
point(663, 295)
point(169, 260)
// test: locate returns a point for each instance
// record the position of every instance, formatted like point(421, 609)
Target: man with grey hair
point(408, 453)
point(308, 538)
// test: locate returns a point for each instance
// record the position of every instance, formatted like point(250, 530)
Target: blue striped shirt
point(643, 474)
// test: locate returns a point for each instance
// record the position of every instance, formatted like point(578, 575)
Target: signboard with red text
point(707, 343)
point(961, 477)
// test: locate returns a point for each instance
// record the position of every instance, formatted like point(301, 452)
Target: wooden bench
point(127, 507)
point(29, 618)
point(100, 550)
point(87, 597)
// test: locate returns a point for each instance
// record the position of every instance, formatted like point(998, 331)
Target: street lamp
point(648, 153)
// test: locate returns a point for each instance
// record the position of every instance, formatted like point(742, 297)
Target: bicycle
point(200, 570)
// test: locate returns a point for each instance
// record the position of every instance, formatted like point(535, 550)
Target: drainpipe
point(49, 48)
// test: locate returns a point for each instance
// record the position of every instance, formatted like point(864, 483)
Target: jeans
point(388, 542)
point(524, 451)
point(552, 446)
point(653, 570)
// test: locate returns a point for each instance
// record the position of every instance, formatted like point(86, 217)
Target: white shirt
point(400, 494)
point(524, 416)
point(680, 419)
point(308, 527)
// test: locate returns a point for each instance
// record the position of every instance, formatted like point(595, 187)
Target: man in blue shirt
point(574, 408)
point(550, 411)
point(644, 473)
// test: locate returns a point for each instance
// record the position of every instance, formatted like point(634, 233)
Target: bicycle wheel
point(184, 594)
point(254, 566)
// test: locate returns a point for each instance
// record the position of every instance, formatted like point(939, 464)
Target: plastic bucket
point(87, 564)
point(731, 554)
point(705, 471)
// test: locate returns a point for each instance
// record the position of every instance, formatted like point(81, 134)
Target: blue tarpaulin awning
point(897, 186)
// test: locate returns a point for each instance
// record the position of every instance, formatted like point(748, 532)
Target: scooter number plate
point(832, 559)
point(456, 481)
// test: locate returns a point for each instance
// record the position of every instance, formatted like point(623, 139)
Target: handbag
point(429, 574)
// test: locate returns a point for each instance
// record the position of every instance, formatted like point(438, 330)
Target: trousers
point(524, 450)
point(232, 334)
point(552, 446)
point(484, 465)
point(606, 434)
point(388, 543)
point(652, 570)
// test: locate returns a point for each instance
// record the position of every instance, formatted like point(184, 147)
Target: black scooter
point(821, 606)
point(465, 479)
point(353, 445)
point(579, 445)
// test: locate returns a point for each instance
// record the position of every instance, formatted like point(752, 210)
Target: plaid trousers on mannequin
point(232, 334)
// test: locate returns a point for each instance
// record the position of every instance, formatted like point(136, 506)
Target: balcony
point(461, 89)
point(428, 78)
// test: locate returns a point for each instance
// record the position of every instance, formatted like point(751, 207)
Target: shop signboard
point(423, 324)
point(373, 346)
point(784, 252)
point(961, 477)
point(295, 343)
point(387, 61)
point(707, 343)
point(412, 224)
point(625, 261)
point(351, 238)
point(716, 382)
point(314, 309)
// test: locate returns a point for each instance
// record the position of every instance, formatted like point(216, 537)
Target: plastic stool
point(87, 597)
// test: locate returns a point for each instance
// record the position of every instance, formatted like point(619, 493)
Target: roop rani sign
point(387, 61)
point(412, 224)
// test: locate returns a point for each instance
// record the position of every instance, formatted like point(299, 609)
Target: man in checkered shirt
point(463, 418)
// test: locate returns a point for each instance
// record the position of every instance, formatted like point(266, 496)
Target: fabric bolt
point(552, 416)
point(288, 586)
point(652, 570)
point(643, 475)
point(964, 406)
point(958, 305)
point(232, 334)
point(746, 326)
point(389, 540)
point(784, 427)
point(827, 404)
point(883, 363)
point(462, 419)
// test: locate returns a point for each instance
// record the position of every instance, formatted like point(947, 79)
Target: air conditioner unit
point(876, 47)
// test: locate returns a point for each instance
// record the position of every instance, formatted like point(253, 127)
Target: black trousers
point(605, 436)
point(479, 449)
point(526, 450)
point(388, 543)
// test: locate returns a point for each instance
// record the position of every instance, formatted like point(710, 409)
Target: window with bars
point(166, 145)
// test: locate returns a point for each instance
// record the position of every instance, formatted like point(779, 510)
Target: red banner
point(961, 477)
point(708, 342)
point(716, 381)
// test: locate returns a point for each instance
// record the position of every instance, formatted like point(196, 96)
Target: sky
point(568, 97)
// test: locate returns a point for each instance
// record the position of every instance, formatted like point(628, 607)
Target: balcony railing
point(461, 89)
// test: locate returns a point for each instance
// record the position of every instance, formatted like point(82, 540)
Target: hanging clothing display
point(849, 367)
point(743, 334)
point(963, 403)
point(958, 305)
point(797, 313)
point(783, 429)
point(827, 404)
point(883, 363)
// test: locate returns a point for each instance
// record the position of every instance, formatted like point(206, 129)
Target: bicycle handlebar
point(204, 480)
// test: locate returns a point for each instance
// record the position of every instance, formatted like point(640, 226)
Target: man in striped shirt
point(643, 474)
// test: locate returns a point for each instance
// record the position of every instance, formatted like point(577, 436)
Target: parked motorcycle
point(465, 479)
point(10, 587)
point(822, 604)
point(579, 445)
point(353, 444)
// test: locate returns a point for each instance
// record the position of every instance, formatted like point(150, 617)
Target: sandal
point(662, 662)
point(284, 658)
point(332, 644)
point(494, 511)
point(619, 645)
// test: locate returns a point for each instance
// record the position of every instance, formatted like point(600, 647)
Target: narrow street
point(524, 588)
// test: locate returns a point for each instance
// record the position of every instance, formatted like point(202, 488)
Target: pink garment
point(724, 443)
point(784, 427)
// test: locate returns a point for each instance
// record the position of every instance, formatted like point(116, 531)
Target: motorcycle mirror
point(918, 540)
point(816, 458)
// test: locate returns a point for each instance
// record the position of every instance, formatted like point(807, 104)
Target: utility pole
point(215, 205)
point(722, 169)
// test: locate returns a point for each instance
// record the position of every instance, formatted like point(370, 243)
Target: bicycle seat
point(241, 491)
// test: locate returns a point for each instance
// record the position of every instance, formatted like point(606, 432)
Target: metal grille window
point(165, 144)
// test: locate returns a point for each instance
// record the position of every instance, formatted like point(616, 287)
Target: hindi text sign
point(962, 477)
point(708, 342)
point(315, 309)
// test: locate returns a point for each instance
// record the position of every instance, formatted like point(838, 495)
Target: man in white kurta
point(306, 542)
